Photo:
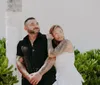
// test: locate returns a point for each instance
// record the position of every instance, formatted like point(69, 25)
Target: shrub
point(6, 72)
point(88, 64)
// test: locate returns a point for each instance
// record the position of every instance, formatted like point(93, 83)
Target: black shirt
point(34, 56)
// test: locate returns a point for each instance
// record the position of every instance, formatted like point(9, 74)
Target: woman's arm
point(37, 76)
point(52, 54)
point(60, 48)
point(51, 59)
point(69, 48)
point(49, 62)
point(47, 65)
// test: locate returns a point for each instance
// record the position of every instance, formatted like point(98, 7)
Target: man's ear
point(25, 27)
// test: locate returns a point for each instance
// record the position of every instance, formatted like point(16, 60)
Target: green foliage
point(6, 72)
point(88, 64)
point(2, 47)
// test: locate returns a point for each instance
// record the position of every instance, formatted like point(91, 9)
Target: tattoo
point(47, 65)
point(21, 66)
point(60, 48)
point(51, 60)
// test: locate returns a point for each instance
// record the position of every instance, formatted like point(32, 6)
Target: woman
point(61, 53)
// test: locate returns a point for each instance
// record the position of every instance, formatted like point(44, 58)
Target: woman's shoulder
point(69, 46)
point(68, 41)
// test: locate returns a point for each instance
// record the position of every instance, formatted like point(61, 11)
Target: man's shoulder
point(20, 43)
point(22, 40)
point(42, 36)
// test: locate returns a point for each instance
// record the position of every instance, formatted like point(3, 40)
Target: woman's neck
point(56, 43)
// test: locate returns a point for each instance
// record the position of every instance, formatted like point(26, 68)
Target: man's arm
point(47, 65)
point(21, 67)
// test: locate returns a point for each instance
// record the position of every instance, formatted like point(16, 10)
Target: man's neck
point(32, 37)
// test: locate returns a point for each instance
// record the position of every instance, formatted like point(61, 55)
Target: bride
point(60, 54)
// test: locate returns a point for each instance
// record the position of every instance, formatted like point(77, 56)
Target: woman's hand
point(51, 53)
point(36, 77)
point(49, 36)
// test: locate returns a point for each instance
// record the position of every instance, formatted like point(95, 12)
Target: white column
point(13, 34)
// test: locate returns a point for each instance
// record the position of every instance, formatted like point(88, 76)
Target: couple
point(46, 59)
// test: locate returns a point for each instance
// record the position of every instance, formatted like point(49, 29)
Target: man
point(31, 54)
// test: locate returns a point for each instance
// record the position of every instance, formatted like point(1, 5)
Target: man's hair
point(30, 18)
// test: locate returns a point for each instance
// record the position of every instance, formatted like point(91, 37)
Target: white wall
point(2, 19)
point(13, 34)
point(80, 19)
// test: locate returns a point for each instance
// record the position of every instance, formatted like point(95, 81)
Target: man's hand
point(35, 78)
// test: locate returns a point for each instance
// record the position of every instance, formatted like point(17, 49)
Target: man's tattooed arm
point(21, 67)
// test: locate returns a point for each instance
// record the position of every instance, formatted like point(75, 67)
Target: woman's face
point(58, 34)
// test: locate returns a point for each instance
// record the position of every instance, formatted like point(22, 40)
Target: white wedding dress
point(67, 74)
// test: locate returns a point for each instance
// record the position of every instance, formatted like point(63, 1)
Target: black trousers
point(46, 80)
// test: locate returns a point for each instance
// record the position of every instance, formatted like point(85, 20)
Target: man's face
point(32, 26)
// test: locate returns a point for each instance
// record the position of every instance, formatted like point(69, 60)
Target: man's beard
point(31, 32)
point(36, 30)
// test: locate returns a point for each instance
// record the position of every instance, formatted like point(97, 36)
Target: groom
point(32, 53)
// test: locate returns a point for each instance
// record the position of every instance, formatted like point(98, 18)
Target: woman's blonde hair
point(53, 27)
